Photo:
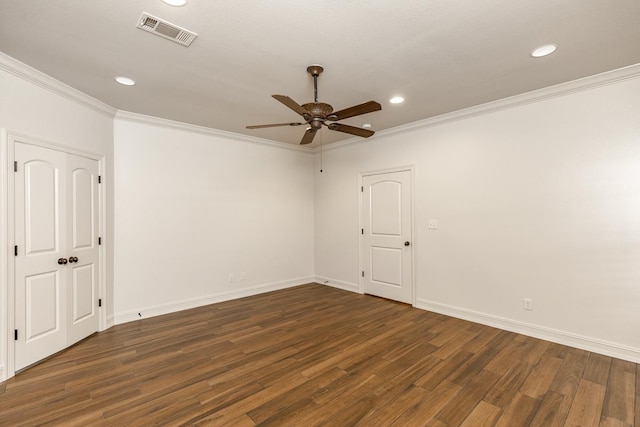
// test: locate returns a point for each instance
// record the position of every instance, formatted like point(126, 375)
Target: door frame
point(8, 140)
point(361, 175)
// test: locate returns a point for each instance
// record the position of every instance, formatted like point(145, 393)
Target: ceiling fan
point(316, 114)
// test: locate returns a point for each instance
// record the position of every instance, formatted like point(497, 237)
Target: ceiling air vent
point(166, 29)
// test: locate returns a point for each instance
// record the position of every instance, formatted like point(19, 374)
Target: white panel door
point(386, 235)
point(56, 265)
point(82, 204)
point(40, 234)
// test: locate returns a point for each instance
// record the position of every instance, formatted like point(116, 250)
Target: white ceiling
point(441, 55)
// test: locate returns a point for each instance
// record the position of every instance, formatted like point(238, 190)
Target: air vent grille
point(149, 23)
point(166, 29)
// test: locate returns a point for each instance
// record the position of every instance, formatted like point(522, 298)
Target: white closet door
point(41, 237)
point(82, 238)
point(56, 266)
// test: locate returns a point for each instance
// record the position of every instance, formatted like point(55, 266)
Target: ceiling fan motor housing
point(318, 109)
point(319, 112)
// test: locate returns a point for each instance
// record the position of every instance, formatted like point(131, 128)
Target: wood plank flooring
point(318, 356)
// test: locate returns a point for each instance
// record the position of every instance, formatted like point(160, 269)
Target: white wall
point(540, 200)
point(193, 207)
point(37, 106)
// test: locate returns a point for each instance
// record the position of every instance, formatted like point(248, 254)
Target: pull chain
point(321, 132)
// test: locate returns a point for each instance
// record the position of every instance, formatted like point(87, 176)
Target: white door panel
point(41, 200)
point(43, 329)
point(42, 305)
point(386, 266)
point(386, 235)
point(56, 219)
point(83, 228)
point(83, 297)
point(386, 199)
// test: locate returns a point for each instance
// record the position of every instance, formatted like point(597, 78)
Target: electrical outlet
point(232, 278)
point(433, 224)
point(527, 304)
point(243, 276)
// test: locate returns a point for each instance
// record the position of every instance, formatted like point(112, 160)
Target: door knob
point(62, 261)
point(73, 259)
point(407, 243)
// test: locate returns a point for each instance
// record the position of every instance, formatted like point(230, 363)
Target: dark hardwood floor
point(314, 355)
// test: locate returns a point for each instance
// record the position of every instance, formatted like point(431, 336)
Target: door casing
point(8, 140)
point(361, 175)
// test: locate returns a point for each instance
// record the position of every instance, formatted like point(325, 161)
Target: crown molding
point(563, 89)
point(203, 130)
point(38, 78)
point(30, 74)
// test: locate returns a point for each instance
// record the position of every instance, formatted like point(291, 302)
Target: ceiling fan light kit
point(316, 114)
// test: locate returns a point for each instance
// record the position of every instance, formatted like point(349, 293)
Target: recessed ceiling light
point(175, 2)
point(125, 81)
point(396, 100)
point(544, 50)
point(366, 126)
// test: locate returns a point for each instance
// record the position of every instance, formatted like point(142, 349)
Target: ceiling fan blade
point(308, 136)
point(356, 110)
point(365, 133)
point(291, 104)
point(274, 125)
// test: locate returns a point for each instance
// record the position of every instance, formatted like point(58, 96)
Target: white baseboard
point(557, 336)
point(158, 310)
point(353, 287)
point(110, 321)
point(3, 374)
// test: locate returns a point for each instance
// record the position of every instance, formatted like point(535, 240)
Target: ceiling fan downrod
point(315, 70)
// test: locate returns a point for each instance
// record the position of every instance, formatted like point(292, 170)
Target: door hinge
point(362, 189)
point(99, 302)
point(15, 166)
point(99, 240)
point(99, 179)
point(362, 231)
point(15, 335)
point(363, 274)
point(15, 250)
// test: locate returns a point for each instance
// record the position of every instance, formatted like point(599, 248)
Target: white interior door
point(386, 235)
point(40, 235)
point(56, 215)
point(82, 247)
